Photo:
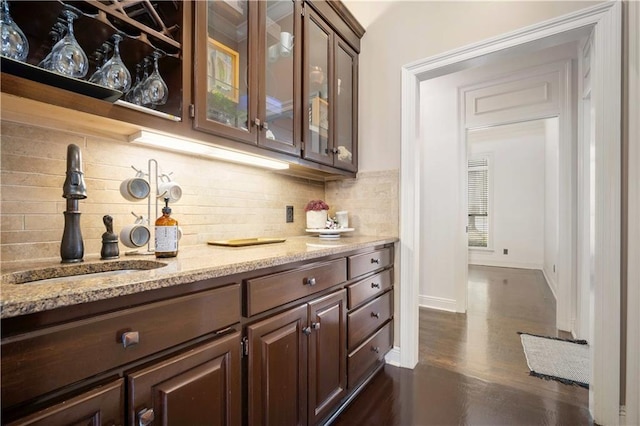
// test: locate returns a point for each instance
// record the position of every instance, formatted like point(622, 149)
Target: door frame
point(606, 20)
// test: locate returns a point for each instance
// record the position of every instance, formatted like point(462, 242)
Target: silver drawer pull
point(310, 281)
point(315, 325)
point(130, 338)
point(145, 416)
point(375, 285)
point(306, 330)
point(375, 349)
point(375, 314)
point(376, 261)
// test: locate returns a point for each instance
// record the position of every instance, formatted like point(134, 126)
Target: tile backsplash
point(220, 200)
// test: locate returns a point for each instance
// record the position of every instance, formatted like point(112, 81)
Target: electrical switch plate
point(289, 214)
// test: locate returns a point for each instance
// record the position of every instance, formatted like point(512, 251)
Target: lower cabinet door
point(198, 387)
point(327, 354)
point(103, 405)
point(277, 369)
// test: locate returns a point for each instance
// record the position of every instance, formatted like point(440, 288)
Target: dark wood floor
point(472, 369)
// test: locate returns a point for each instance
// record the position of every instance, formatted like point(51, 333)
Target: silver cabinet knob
point(130, 338)
point(310, 281)
point(145, 416)
point(307, 330)
point(315, 325)
point(375, 349)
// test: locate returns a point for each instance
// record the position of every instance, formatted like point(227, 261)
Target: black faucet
point(74, 189)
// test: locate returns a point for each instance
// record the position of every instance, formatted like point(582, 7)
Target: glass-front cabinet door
point(345, 107)
point(225, 80)
point(318, 74)
point(280, 79)
point(247, 71)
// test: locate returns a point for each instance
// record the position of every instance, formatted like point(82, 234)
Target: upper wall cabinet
point(331, 95)
point(247, 73)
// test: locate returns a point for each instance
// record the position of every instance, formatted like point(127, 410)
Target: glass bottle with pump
point(166, 233)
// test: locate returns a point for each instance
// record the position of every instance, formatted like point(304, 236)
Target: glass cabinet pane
point(318, 78)
point(278, 105)
point(227, 63)
point(344, 104)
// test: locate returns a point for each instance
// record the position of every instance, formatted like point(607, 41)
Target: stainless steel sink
point(64, 273)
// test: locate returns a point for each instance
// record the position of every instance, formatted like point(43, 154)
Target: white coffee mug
point(135, 235)
point(170, 190)
point(286, 44)
point(135, 189)
point(274, 53)
point(343, 219)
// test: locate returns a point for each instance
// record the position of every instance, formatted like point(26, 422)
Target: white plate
point(330, 233)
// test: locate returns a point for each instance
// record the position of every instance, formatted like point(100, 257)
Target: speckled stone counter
point(192, 264)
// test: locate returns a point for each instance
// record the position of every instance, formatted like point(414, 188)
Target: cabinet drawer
point(44, 360)
point(368, 318)
point(370, 353)
point(370, 287)
point(274, 290)
point(369, 262)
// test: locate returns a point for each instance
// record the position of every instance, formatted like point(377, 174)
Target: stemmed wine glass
point(115, 74)
point(67, 57)
point(14, 43)
point(155, 89)
point(56, 33)
point(101, 54)
point(133, 95)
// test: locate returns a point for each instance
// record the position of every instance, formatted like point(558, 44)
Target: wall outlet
point(289, 214)
point(505, 251)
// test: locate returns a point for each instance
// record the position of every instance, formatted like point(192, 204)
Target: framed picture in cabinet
point(223, 70)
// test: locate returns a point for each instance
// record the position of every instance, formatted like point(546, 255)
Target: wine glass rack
point(147, 26)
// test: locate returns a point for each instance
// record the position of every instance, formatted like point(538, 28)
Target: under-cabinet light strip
point(178, 144)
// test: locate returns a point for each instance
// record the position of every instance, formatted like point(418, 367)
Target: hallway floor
point(472, 369)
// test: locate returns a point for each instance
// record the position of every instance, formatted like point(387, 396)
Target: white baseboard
point(551, 284)
point(393, 357)
point(439, 303)
point(504, 264)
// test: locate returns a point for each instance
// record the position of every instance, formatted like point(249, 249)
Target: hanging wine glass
point(133, 95)
point(102, 53)
point(56, 33)
point(115, 74)
point(67, 57)
point(14, 43)
point(140, 94)
point(156, 90)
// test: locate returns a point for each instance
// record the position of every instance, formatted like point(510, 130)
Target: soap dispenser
point(166, 232)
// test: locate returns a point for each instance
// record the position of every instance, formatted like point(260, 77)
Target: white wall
point(441, 156)
point(517, 190)
point(551, 204)
point(400, 32)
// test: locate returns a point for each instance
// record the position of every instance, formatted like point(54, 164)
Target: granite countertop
point(193, 263)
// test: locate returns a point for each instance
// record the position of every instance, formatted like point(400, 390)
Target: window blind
point(478, 194)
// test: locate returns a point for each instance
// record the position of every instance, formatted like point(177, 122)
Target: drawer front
point(370, 287)
point(274, 290)
point(39, 362)
point(369, 262)
point(369, 354)
point(365, 320)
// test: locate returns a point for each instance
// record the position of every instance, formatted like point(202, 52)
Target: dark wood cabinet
point(327, 354)
point(330, 93)
point(289, 346)
point(103, 405)
point(198, 387)
point(297, 363)
point(277, 373)
point(247, 72)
